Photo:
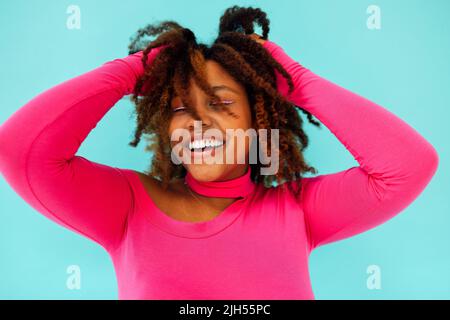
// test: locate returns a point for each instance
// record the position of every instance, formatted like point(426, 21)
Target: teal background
point(404, 66)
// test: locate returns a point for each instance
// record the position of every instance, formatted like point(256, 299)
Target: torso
point(178, 203)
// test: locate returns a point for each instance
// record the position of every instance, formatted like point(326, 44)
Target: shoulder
point(151, 183)
point(292, 189)
point(148, 180)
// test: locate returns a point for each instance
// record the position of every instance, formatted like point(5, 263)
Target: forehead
point(219, 79)
point(215, 71)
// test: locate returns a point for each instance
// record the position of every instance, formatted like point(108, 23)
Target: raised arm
point(39, 141)
point(395, 162)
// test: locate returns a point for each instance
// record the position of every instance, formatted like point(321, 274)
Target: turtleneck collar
point(238, 187)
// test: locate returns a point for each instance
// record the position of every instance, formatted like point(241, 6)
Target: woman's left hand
point(257, 38)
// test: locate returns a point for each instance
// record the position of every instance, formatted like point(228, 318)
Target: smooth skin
point(178, 201)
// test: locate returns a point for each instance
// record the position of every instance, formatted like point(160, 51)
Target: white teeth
point(200, 144)
point(215, 143)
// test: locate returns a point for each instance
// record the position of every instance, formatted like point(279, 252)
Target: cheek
point(247, 116)
point(244, 117)
point(174, 123)
point(244, 122)
point(174, 131)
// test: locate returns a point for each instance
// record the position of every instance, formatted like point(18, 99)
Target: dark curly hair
point(247, 61)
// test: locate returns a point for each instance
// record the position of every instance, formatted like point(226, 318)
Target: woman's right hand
point(150, 58)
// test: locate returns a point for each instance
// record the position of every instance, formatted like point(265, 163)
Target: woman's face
point(234, 96)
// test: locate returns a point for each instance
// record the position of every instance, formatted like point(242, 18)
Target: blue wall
point(403, 66)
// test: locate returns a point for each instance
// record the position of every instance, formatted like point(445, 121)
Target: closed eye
point(178, 109)
point(223, 102)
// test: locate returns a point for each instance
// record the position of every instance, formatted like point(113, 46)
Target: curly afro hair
point(247, 61)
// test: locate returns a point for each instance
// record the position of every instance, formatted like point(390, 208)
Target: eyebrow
point(223, 87)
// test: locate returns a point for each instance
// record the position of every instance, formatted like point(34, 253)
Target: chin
point(205, 172)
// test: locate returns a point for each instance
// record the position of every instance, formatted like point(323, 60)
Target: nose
point(205, 119)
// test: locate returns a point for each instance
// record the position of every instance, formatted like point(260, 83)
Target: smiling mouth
point(205, 145)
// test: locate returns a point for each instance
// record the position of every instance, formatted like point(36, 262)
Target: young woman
point(212, 231)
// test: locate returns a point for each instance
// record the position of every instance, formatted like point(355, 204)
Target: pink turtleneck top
point(258, 247)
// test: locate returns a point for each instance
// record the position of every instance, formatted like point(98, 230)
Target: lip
point(210, 152)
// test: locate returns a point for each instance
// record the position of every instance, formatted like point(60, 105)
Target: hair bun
point(189, 35)
point(242, 19)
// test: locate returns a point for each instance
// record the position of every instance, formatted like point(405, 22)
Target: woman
point(212, 231)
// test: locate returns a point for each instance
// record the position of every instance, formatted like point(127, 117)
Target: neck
point(241, 186)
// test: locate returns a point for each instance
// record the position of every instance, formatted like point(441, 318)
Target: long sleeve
point(395, 162)
point(39, 141)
